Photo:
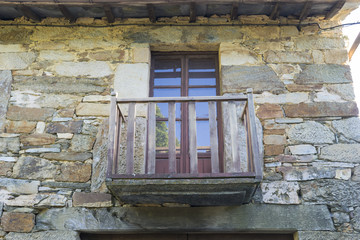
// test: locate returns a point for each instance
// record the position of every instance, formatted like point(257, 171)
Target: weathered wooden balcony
point(233, 163)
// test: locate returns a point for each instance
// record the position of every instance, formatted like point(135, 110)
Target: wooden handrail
point(241, 97)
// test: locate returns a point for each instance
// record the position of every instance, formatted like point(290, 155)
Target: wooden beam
point(67, 14)
point(275, 12)
point(335, 9)
point(109, 14)
point(234, 11)
point(305, 11)
point(354, 46)
point(29, 13)
point(192, 12)
point(151, 12)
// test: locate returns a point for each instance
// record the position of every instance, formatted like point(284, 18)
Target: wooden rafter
point(67, 14)
point(335, 9)
point(305, 11)
point(275, 12)
point(234, 11)
point(151, 12)
point(354, 46)
point(192, 12)
point(29, 13)
point(109, 14)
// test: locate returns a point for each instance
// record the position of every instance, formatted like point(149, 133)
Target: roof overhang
point(298, 9)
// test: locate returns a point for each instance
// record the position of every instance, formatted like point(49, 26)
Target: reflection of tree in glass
point(162, 138)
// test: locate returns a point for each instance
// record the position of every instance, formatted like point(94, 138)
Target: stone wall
point(53, 119)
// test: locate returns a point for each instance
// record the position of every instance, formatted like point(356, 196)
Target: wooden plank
point(172, 138)
point(335, 9)
point(130, 139)
point(275, 12)
point(192, 12)
point(109, 14)
point(354, 46)
point(254, 140)
point(151, 12)
point(67, 14)
point(234, 131)
point(234, 11)
point(182, 99)
point(112, 132)
point(305, 11)
point(29, 13)
point(192, 139)
point(213, 138)
point(151, 157)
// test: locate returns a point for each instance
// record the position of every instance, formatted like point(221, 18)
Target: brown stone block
point(81, 199)
point(285, 158)
point(6, 168)
point(19, 126)
point(65, 127)
point(17, 222)
point(274, 131)
point(322, 109)
point(304, 88)
point(31, 114)
point(74, 172)
point(67, 112)
point(271, 150)
point(266, 111)
point(67, 156)
point(37, 139)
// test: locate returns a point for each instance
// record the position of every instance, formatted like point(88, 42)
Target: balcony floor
point(195, 192)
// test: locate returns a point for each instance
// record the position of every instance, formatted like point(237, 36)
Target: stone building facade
point(56, 82)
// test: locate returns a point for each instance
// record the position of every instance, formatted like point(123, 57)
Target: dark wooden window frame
point(183, 157)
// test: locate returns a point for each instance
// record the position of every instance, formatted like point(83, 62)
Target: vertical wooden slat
point(118, 124)
point(233, 134)
point(254, 140)
point(172, 138)
point(130, 139)
point(213, 138)
point(151, 138)
point(192, 138)
point(112, 133)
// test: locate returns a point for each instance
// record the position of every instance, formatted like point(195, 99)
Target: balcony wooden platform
point(232, 178)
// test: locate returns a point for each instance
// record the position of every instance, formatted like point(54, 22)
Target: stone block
point(303, 88)
point(325, 96)
point(37, 139)
point(239, 78)
point(302, 149)
point(287, 57)
point(51, 200)
point(326, 235)
point(349, 127)
point(46, 235)
point(81, 199)
point(14, 61)
point(8, 159)
point(281, 192)
point(95, 69)
point(65, 127)
point(266, 111)
point(74, 172)
point(34, 168)
point(286, 71)
point(275, 139)
point(336, 56)
point(306, 173)
point(237, 54)
point(141, 54)
point(6, 168)
point(56, 55)
point(30, 114)
point(289, 120)
point(341, 153)
point(9, 145)
point(97, 98)
point(281, 98)
point(345, 91)
point(324, 73)
point(318, 57)
point(322, 109)
point(68, 156)
point(343, 174)
point(5, 86)
point(22, 201)
point(66, 112)
point(17, 222)
point(132, 80)
point(356, 175)
point(40, 127)
point(81, 143)
point(274, 132)
point(93, 109)
point(42, 150)
point(310, 132)
point(288, 31)
point(19, 186)
point(11, 48)
point(108, 55)
point(19, 126)
point(317, 42)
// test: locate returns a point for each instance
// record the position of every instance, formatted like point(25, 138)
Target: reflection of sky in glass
point(202, 70)
point(167, 92)
point(164, 109)
point(167, 81)
point(202, 81)
point(203, 133)
point(202, 91)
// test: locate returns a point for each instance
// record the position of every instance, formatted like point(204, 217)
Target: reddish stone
point(65, 127)
point(67, 112)
point(19, 126)
point(81, 199)
point(274, 131)
point(37, 139)
point(74, 172)
point(31, 114)
point(17, 222)
point(322, 109)
point(266, 111)
point(271, 150)
point(303, 88)
point(285, 158)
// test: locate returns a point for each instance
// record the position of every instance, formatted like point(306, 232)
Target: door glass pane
point(162, 137)
point(203, 136)
point(202, 91)
point(167, 92)
point(202, 109)
point(202, 72)
point(162, 110)
point(167, 72)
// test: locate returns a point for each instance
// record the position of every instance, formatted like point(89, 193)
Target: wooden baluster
point(172, 138)
point(112, 135)
point(130, 139)
point(151, 139)
point(233, 125)
point(213, 138)
point(192, 138)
